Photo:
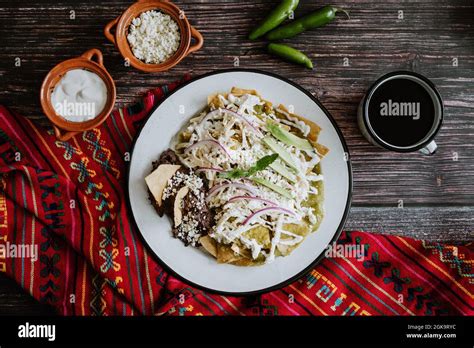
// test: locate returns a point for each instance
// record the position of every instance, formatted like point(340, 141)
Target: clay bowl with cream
point(85, 79)
point(118, 29)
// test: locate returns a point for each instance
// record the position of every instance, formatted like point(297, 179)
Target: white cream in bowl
point(79, 96)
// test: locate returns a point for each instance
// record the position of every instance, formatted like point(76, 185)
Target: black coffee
point(402, 112)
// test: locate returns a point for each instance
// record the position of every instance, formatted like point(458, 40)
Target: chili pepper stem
point(346, 13)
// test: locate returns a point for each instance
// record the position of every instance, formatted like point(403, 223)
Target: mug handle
point(108, 28)
point(63, 136)
point(94, 55)
point(429, 149)
point(199, 40)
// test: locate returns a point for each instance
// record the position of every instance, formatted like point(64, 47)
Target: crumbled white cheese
point(188, 230)
point(154, 37)
point(192, 181)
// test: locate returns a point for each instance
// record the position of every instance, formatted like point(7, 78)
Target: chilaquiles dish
point(242, 181)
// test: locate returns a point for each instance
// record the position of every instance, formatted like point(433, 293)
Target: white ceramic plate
point(195, 266)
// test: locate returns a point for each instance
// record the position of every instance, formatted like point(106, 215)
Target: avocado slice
point(273, 187)
point(289, 138)
point(281, 151)
point(281, 169)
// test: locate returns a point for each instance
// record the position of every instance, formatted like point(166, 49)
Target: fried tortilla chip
point(214, 101)
point(261, 234)
point(320, 149)
point(313, 133)
point(238, 92)
point(314, 128)
point(225, 254)
point(209, 245)
point(302, 229)
point(246, 262)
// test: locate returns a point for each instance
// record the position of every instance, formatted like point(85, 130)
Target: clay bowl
point(92, 61)
point(121, 25)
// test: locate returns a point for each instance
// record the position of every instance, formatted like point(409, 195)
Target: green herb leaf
point(261, 164)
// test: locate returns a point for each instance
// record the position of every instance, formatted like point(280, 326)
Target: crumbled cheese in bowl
point(154, 37)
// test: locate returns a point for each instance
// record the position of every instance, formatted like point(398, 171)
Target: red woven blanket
point(68, 200)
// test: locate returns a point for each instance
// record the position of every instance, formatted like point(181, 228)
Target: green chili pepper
point(313, 20)
point(275, 18)
point(290, 54)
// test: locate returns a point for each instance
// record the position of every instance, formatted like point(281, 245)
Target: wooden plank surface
point(435, 38)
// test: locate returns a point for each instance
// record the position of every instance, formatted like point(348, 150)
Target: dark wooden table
point(410, 195)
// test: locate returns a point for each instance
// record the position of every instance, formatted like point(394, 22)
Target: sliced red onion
point(210, 142)
point(209, 169)
point(232, 113)
point(215, 189)
point(251, 198)
point(256, 214)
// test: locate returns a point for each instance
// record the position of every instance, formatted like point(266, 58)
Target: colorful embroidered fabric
point(68, 198)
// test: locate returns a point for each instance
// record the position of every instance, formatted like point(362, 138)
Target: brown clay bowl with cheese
point(121, 27)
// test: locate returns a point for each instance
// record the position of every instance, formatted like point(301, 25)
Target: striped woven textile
point(68, 200)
